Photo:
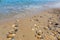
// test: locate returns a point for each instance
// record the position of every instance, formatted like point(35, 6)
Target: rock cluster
point(12, 33)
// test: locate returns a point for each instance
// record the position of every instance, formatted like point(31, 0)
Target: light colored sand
point(26, 28)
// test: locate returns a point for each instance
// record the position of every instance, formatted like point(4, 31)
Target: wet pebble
point(39, 37)
point(33, 29)
point(14, 25)
point(10, 35)
point(56, 24)
point(38, 34)
point(16, 30)
point(36, 26)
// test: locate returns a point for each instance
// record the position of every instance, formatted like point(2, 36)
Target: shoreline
point(27, 13)
point(29, 25)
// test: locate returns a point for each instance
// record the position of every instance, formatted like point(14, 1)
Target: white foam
point(55, 5)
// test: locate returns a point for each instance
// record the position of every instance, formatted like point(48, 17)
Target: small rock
point(39, 32)
point(13, 25)
point(35, 24)
point(33, 29)
point(56, 24)
point(45, 28)
point(59, 32)
point(16, 25)
point(58, 39)
point(50, 22)
point(10, 36)
point(16, 30)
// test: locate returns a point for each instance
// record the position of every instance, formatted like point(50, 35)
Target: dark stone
point(16, 30)
point(38, 33)
point(58, 38)
point(56, 24)
point(16, 25)
point(59, 32)
point(38, 37)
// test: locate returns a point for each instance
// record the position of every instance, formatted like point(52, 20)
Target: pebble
point(16, 25)
point(13, 25)
point(59, 32)
point(16, 30)
point(35, 24)
point(50, 22)
point(45, 28)
point(33, 29)
point(38, 37)
point(10, 35)
point(56, 24)
point(39, 34)
point(52, 32)
point(39, 31)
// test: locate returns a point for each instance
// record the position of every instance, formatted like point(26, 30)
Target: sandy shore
point(41, 26)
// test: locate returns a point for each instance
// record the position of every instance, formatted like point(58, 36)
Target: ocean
point(7, 6)
point(14, 6)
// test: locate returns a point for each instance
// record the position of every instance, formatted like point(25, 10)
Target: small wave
point(54, 5)
point(16, 6)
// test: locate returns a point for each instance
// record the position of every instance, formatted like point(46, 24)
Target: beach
point(44, 25)
point(29, 20)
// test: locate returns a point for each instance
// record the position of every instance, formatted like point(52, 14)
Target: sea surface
point(15, 6)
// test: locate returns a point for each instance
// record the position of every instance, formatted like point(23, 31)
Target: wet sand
point(43, 25)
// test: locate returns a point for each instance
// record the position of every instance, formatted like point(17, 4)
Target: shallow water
point(16, 6)
point(7, 6)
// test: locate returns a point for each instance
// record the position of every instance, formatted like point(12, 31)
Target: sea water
point(9, 6)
